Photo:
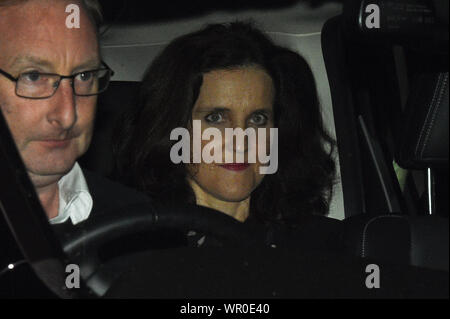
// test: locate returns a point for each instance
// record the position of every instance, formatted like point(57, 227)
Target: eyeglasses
point(36, 85)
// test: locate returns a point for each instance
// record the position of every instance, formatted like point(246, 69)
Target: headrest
point(423, 141)
point(111, 105)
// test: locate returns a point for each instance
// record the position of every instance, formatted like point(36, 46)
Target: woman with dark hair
point(230, 75)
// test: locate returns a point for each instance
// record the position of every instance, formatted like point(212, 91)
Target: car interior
point(384, 98)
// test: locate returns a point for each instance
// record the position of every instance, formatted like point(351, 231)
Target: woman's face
point(236, 98)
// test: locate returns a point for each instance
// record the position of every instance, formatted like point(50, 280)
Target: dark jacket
point(108, 195)
point(307, 232)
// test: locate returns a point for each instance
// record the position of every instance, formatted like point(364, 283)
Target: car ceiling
point(300, 18)
point(138, 11)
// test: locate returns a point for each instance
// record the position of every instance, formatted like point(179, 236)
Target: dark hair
point(304, 180)
point(94, 10)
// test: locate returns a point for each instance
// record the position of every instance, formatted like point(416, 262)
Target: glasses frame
point(61, 77)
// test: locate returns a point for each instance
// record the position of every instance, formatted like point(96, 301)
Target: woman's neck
point(237, 210)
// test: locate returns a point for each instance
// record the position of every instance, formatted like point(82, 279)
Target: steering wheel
point(84, 245)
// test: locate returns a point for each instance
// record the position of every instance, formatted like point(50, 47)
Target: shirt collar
point(75, 201)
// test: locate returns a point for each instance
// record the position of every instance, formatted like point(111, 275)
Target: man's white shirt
point(75, 201)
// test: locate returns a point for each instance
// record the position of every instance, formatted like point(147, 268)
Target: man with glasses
point(35, 85)
point(50, 76)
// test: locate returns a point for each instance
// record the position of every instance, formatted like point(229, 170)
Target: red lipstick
point(56, 143)
point(235, 166)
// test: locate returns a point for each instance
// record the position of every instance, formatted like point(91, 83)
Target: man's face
point(49, 133)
